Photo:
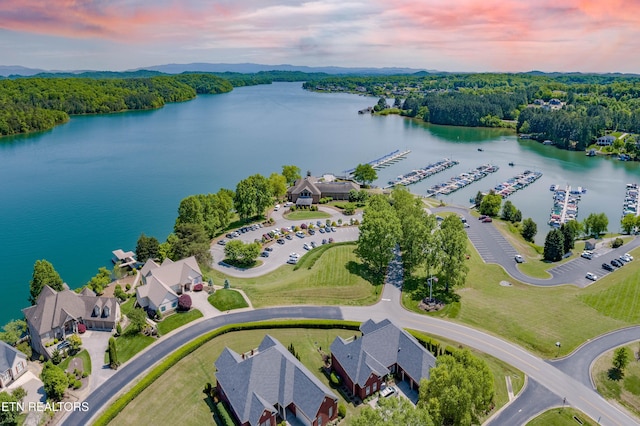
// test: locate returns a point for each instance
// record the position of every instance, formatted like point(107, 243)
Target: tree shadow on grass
point(364, 272)
point(418, 290)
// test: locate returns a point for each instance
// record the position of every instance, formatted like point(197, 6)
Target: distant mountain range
point(247, 68)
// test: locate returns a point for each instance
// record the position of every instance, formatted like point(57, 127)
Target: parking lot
point(280, 253)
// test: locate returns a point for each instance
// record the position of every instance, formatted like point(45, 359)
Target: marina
point(565, 204)
point(387, 160)
point(631, 200)
point(462, 180)
point(517, 183)
point(417, 175)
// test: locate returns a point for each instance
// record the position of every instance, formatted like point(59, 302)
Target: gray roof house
point(311, 189)
point(383, 349)
point(162, 284)
point(13, 364)
point(58, 313)
point(270, 384)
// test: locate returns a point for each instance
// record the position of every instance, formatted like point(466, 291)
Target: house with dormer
point(269, 385)
point(162, 284)
point(13, 364)
point(384, 349)
point(57, 315)
point(310, 190)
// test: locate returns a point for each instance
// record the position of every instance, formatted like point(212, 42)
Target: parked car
point(333, 229)
point(197, 287)
point(222, 242)
point(627, 255)
point(487, 220)
point(587, 254)
point(277, 207)
point(388, 392)
point(264, 254)
point(280, 241)
point(294, 255)
point(624, 258)
point(292, 260)
point(324, 241)
point(616, 263)
point(482, 217)
point(313, 244)
point(591, 276)
point(288, 237)
point(311, 232)
point(519, 258)
point(327, 228)
point(608, 267)
point(330, 240)
point(319, 224)
point(229, 236)
point(268, 248)
point(322, 231)
point(466, 224)
point(306, 246)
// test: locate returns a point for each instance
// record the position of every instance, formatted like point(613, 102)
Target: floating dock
point(416, 176)
point(379, 163)
point(565, 205)
point(516, 183)
point(462, 180)
point(631, 200)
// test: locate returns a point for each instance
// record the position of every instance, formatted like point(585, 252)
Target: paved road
point(493, 247)
point(532, 400)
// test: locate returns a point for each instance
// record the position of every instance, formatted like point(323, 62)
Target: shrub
point(342, 410)
point(82, 328)
point(184, 302)
point(85, 374)
point(303, 226)
point(335, 379)
point(56, 357)
point(226, 283)
point(197, 287)
point(128, 287)
point(617, 242)
point(118, 329)
point(77, 384)
point(292, 208)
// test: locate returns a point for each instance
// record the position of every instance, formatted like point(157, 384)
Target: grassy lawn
point(337, 278)
point(189, 376)
point(226, 300)
point(86, 361)
point(177, 320)
point(537, 317)
point(306, 215)
point(561, 417)
point(128, 345)
point(127, 306)
point(625, 391)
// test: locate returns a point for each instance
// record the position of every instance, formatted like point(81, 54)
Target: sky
point(446, 35)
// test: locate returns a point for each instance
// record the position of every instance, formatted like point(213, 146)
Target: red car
point(487, 220)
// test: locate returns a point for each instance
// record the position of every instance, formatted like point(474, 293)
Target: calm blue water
point(83, 189)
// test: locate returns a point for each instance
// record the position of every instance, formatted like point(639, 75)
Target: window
point(375, 386)
point(163, 308)
point(6, 376)
point(19, 367)
point(367, 390)
point(330, 411)
point(174, 304)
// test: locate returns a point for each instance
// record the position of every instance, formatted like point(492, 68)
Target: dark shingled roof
point(271, 376)
point(8, 355)
point(382, 345)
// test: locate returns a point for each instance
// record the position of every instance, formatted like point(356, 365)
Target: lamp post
point(430, 283)
point(558, 345)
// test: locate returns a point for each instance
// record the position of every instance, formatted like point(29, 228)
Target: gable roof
point(338, 187)
point(382, 345)
point(160, 278)
point(308, 183)
point(269, 377)
point(8, 356)
point(54, 308)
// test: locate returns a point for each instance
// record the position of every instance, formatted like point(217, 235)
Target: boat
point(511, 163)
point(480, 149)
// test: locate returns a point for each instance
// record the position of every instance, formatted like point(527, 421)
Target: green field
point(335, 279)
point(128, 345)
point(226, 300)
point(177, 320)
point(189, 376)
point(625, 391)
point(561, 417)
point(306, 215)
point(537, 317)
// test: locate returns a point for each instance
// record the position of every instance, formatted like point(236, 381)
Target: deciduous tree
point(277, 185)
point(380, 231)
point(628, 223)
point(392, 411)
point(621, 359)
point(453, 244)
point(291, 173)
point(509, 211)
point(147, 248)
point(55, 381)
point(138, 319)
point(490, 204)
point(529, 229)
point(365, 173)
point(43, 274)
point(13, 331)
point(596, 224)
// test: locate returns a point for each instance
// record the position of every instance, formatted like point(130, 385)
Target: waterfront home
point(268, 385)
point(124, 258)
point(606, 140)
point(384, 348)
point(310, 190)
point(13, 364)
point(57, 315)
point(163, 284)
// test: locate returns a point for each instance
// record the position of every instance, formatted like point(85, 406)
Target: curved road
point(539, 371)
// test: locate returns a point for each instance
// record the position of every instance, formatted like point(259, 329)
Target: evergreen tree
point(553, 246)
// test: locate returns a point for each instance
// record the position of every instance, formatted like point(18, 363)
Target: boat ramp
point(516, 183)
point(631, 200)
point(565, 204)
point(379, 163)
point(462, 180)
point(415, 176)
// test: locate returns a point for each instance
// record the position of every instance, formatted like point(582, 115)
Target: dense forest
point(33, 104)
point(571, 110)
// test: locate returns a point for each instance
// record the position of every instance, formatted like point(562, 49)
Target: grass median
point(626, 389)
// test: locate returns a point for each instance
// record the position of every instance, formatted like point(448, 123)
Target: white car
point(628, 256)
point(277, 207)
point(519, 258)
point(587, 254)
point(306, 246)
point(591, 276)
point(294, 255)
point(388, 391)
point(292, 260)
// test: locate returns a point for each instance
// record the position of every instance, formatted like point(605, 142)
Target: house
point(606, 140)
point(124, 258)
point(268, 385)
point(384, 348)
point(13, 364)
point(163, 284)
point(57, 314)
point(310, 190)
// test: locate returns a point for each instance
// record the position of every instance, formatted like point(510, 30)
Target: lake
point(73, 194)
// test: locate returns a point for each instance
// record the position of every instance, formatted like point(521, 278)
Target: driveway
point(96, 343)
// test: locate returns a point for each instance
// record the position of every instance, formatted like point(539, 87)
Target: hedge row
point(120, 403)
point(223, 414)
